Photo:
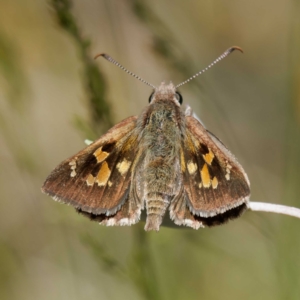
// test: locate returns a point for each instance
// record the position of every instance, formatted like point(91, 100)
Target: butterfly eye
point(178, 97)
point(150, 97)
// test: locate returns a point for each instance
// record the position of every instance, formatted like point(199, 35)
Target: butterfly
point(162, 161)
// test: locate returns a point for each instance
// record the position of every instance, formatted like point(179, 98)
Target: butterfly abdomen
point(160, 185)
point(156, 205)
point(160, 178)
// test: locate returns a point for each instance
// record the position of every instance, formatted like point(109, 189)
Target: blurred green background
point(53, 95)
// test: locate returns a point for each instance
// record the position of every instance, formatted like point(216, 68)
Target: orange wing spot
point(208, 157)
point(205, 176)
point(100, 155)
point(103, 174)
point(90, 180)
point(129, 143)
point(189, 144)
point(214, 182)
point(182, 161)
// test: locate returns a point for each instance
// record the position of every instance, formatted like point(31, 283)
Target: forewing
point(97, 179)
point(214, 181)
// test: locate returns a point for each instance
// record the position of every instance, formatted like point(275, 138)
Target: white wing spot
point(228, 169)
point(192, 167)
point(123, 166)
point(73, 166)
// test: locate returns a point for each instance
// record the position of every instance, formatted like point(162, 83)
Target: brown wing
point(214, 182)
point(97, 179)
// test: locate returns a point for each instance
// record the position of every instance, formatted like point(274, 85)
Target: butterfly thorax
point(160, 180)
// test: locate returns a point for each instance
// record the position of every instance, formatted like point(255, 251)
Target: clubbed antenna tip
point(235, 48)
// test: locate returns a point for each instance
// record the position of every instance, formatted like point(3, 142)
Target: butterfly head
point(166, 92)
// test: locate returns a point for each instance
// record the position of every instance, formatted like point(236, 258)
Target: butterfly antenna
point(222, 56)
point(110, 59)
